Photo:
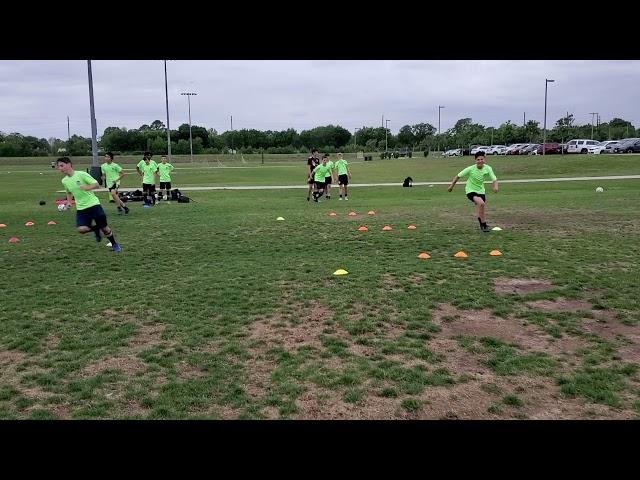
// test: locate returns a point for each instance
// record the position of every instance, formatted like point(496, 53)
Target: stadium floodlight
point(544, 135)
point(189, 94)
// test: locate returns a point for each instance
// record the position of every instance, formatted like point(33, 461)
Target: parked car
point(632, 147)
point(495, 149)
point(455, 152)
point(549, 149)
point(479, 148)
point(529, 149)
point(621, 146)
point(512, 149)
point(580, 145)
point(601, 147)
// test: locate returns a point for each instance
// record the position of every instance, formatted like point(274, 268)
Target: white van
point(581, 145)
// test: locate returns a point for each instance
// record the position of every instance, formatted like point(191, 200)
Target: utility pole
point(592, 114)
point(524, 118)
point(95, 165)
point(166, 100)
point(232, 150)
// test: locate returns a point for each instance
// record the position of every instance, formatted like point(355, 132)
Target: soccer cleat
point(126, 210)
point(346, 198)
point(308, 199)
point(340, 198)
point(485, 228)
point(116, 248)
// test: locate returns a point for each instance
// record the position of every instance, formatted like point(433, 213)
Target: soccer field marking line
point(284, 187)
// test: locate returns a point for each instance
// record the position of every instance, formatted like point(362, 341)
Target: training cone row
point(386, 228)
point(460, 254)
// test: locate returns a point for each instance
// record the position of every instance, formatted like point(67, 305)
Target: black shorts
point(470, 196)
point(115, 186)
point(84, 217)
point(327, 180)
point(343, 179)
point(319, 185)
point(148, 187)
point(165, 185)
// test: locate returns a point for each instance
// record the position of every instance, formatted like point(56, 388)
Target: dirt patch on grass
point(317, 403)
point(560, 305)
point(52, 341)
point(302, 327)
point(521, 286)
point(38, 315)
point(147, 336)
point(8, 357)
point(186, 371)
point(615, 331)
point(390, 283)
point(417, 278)
point(481, 323)
point(129, 365)
point(259, 377)
point(133, 409)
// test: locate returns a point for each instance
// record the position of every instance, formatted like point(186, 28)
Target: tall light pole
point(440, 107)
point(386, 129)
point(232, 150)
point(166, 99)
point(189, 94)
point(592, 114)
point(544, 135)
point(95, 167)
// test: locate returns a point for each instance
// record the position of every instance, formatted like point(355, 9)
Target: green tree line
point(329, 138)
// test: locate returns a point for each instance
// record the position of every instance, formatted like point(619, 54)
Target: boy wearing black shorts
point(475, 186)
point(164, 170)
point(312, 162)
point(78, 185)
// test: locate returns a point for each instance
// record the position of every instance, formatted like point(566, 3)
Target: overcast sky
point(37, 96)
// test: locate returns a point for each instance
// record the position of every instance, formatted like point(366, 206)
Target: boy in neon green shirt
point(164, 170)
point(475, 186)
point(344, 174)
point(112, 173)
point(79, 185)
point(149, 171)
point(327, 180)
point(319, 175)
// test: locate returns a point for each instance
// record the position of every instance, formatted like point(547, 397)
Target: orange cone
point(13, 240)
point(424, 256)
point(352, 214)
point(495, 253)
point(411, 227)
point(461, 254)
point(29, 224)
point(371, 212)
point(51, 222)
point(386, 228)
point(333, 214)
point(2, 225)
point(363, 229)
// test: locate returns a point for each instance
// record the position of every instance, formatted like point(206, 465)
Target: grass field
point(216, 310)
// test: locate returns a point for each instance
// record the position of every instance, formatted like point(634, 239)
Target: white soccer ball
point(62, 207)
point(599, 190)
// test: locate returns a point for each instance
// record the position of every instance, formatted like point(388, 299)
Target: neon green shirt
point(84, 199)
point(148, 172)
point(475, 182)
point(111, 172)
point(341, 166)
point(330, 166)
point(165, 170)
point(320, 173)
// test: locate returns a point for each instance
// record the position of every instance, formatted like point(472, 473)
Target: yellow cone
point(280, 218)
point(424, 255)
point(461, 254)
point(340, 272)
point(495, 253)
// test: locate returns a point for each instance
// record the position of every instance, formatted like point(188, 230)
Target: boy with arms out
point(79, 185)
point(475, 186)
